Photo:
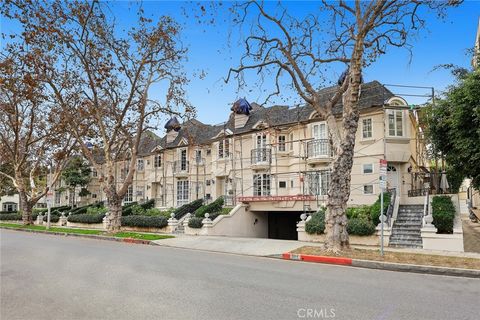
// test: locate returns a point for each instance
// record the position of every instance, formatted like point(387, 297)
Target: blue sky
point(445, 41)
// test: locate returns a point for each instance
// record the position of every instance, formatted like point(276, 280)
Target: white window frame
point(393, 117)
point(319, 182)
point(129, 195)
point(368, 193)
point(223, 148)
point(291, 140)
point(157, 161)
point(183, 159)
point(262, 184)
point(94, 172)
point(9, 207)
point(364, 127)
point(282, 145)
point(368, 164)
point(140, 165)
point(182, 192)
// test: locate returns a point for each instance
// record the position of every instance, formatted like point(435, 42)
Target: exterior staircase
point(406, 228)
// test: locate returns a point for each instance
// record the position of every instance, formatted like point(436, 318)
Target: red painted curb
point(286, 256)
point(137, 241)
point(324, 259)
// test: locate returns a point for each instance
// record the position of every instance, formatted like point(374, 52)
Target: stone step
point(411, 233)
point(406, 240)
point(413, 228)
point(405, 245)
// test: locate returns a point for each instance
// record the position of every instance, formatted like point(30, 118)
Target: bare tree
point(281, 46)
point(102, 78)
point(32, 135)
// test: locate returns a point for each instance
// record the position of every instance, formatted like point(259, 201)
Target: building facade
point(276, 159)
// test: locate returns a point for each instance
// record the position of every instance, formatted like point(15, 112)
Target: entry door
point(220, 187)
point(392, 177)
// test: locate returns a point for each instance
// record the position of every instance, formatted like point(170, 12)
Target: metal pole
point(49, 203)
point(381, 221)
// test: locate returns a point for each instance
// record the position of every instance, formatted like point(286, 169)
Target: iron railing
point(391, 206)
point(319, 148)
point(261, 155)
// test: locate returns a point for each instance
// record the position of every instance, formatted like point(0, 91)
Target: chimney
point(171, 136)
point(240, 120)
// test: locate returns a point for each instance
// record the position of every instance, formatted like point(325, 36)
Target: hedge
point(316, 225)
point(86, 218)
point(188, 208)
point(127, 209)
point(83, 209)
point(215, 206)
point(360, 227)
point(375, 208)
point(10, 216)
point(144, 221)
point(362, 212)
point(195, 222)
point(443, 212)
point(53, 218)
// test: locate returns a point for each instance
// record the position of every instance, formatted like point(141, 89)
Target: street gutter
point(91, 236)
point(390, 266)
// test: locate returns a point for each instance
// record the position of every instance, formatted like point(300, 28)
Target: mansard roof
point(373, 94)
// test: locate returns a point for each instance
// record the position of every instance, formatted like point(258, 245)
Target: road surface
point(55, 277)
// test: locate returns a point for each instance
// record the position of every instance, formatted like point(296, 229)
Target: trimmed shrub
point(144, 221)
point(86, 218)
point(127, 209)
point(360, 227)
point(375, 208)
point(97, 210)
point(137, 210)
point(195, 222)
point(213, 207)
point(316, 225)
point(11, 216)
point(53, 218)
point(443, 212)
point(189, 207)
point(39, 210)
point(84, 209)
point(148, 205)
point(362, 212)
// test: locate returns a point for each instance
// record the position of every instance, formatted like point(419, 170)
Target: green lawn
point(134, 235)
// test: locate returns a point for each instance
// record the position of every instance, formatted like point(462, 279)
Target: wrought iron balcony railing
point(261, 156)
point(319, 148)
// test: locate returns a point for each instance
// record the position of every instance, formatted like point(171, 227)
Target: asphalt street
point(56, 277)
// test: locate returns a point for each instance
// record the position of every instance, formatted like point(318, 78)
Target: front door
point(392, 177)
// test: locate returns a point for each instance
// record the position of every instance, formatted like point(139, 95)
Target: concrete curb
point(390, 266)
point(90, 236)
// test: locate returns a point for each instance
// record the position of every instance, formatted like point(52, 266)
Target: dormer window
point(395, 123)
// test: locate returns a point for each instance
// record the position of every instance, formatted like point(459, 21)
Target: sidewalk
point(471, 236)
point(246, 246)
point(269, 247)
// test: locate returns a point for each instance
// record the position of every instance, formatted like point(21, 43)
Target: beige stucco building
point(275, 152)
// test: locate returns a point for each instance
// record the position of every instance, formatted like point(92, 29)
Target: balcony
point(319, 151)
point(180, 168)
point(199, 162)
point(261, 158)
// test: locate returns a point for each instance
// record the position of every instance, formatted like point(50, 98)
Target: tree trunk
point(335, 218)
point(114, 214)
point(26, 209)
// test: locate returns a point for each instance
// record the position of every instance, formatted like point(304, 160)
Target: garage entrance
point(283, 224)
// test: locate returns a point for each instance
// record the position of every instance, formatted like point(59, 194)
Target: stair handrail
point(391, 205)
